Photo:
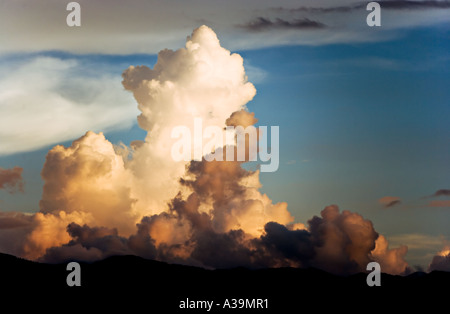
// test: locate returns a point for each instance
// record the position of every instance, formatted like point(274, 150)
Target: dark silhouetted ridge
point(133, 283)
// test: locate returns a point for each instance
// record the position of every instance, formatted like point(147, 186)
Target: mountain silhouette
point(131, 283)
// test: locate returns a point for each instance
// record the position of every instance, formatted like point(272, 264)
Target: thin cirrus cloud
point(392, 201)
point(389, 201)
point(324, 23)
point(242, 24)
point(263, 24)
point(390, 4)
point(440, 203)
point(406, 4)
point(47, 100)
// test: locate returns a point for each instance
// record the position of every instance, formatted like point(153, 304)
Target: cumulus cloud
point(49, 230)
point(90, 178)
point(346, 243)
point(106, 186)
point(47, 100)
point(389, 201)
point(346, 239)
point(100, 200)
point(338, 242)
point(88, 244)
point(202, 80)
point(441, 261)
point(392, 261)
point(241, 118)
point(287, 247)
point(11, 179)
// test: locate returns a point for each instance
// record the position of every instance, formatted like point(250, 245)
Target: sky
point(363, 115)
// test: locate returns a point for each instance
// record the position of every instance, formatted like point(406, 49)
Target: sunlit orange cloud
point(391, 260)
point(98, 181)
point(444, 252)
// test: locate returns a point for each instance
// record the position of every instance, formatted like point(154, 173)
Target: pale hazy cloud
point(14, 229)
point(419, 245)
point(255, 74)
point(439, 203)
point(11, 179)
point(391, 260)
point(416, 241)
point(46, 100)
point(144, 26)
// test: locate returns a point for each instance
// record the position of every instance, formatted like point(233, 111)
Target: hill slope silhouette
point(132, 283)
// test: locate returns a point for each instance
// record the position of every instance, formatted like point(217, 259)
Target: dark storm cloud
point(404, 5)
point(141, 242)
point(88, 244)
point(263, 24)
point(387, 4)
point(11, 179)
point(440, 262)
point(442, 192)
point(343, 241)
point(389, 201)
point(282, 244)
point(102, 238)
point(336, 242)
point(339, 9)
point(223, 250)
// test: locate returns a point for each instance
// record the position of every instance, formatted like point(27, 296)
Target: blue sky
point(358, 121)
point(352, 119)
